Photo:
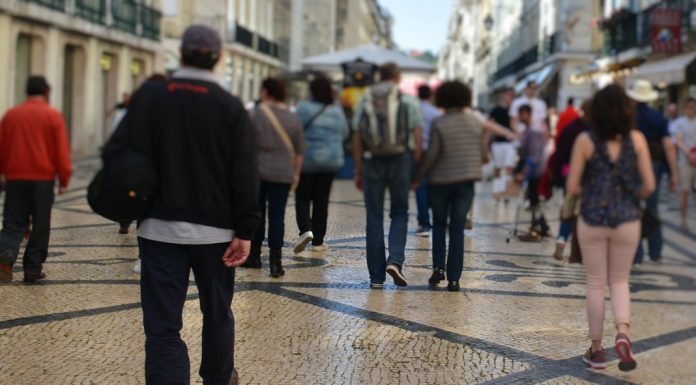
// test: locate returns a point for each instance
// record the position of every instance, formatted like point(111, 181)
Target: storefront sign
point(666, 30)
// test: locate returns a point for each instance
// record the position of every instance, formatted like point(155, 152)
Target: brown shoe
point(31, 278)
point(531, 236)
point(124, 230)
point(5, 273)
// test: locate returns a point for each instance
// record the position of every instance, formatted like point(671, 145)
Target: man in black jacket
point(204, 214)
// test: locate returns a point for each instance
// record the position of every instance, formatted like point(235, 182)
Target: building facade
point(649, 39)
point(548, 42)
point(91, 52)
point(249, 29)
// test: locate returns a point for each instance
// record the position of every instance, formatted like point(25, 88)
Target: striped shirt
point(456, 148)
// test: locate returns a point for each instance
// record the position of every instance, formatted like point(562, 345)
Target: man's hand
point(519, 178)
point(237, 253)
point(358, 181)
point(62, 190)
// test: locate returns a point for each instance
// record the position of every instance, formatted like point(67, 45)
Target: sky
point(420, 24)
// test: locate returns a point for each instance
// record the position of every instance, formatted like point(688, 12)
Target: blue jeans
point(451, 201)
point(163, 286)
point(565, 231)
point(276, 196)
point(655, 240)
point(380, 174)
point(423, 206)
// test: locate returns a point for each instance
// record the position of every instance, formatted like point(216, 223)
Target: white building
point(91, 53)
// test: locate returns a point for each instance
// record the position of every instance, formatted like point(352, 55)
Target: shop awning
point(664, 72)
point(369, 53)
point(541, 77)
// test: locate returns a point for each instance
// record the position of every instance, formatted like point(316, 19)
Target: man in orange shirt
point(33, 152)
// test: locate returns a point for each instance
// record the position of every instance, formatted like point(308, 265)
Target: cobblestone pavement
point(519, 319)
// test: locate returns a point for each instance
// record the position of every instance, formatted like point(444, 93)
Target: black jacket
point(202, 144)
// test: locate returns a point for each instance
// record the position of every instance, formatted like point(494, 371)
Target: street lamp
point(488, 22)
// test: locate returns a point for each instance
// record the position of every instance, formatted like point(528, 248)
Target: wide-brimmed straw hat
point(643, 91)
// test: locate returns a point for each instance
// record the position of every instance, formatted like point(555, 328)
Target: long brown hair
point(612, 113)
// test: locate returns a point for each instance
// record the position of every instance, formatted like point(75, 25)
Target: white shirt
point(539, 111)
point(688, 130)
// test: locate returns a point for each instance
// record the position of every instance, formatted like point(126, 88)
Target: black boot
point(276, 264)
point(254, 260)
point(437, 277)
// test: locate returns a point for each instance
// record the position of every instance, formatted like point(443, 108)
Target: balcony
point(244, 36)
point(151, 21)
point(91, 10)
point(521, 62)
point(125, 15)
point(58, 5)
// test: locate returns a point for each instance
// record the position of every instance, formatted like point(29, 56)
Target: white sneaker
point(138, 266)
point(320, 248)
point(301, 243)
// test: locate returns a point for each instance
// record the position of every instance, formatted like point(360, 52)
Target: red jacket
point(34, 144)
point(565, 118)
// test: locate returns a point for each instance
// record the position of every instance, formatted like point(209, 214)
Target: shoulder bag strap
point(313, 118)
point(282, 133)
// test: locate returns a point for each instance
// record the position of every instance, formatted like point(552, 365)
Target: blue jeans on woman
point(453, 202)
point(275, 197)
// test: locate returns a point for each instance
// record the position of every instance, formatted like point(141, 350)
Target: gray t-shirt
point(687, 128)
point(276, 163)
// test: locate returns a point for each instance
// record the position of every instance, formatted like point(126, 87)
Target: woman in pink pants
point(611, 170)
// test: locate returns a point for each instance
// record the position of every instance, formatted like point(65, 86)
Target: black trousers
point(163, 286)
point(313, 194)
point(25, 201)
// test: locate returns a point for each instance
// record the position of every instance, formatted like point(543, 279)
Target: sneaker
point(624, 349)
point(5, 273)
point(301, 243)
point(32, 278)
point(376, 286)
point(395, 271)
point(558, 254)
point(319, 248)
point(423, 231)
point(138, 267)
point(437, 277)
point(596, 360)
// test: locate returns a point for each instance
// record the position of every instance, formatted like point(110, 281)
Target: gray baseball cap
point(201, 38)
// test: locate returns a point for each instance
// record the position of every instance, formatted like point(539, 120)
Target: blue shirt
point(429, 113)
point(651, 123)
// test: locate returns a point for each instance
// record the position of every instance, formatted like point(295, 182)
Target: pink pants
point(608, 254)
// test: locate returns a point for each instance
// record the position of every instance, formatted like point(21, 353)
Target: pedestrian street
point(519, 318)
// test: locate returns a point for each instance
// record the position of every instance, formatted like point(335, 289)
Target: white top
point(185, 233)
point(539, 111)
point(688, 130)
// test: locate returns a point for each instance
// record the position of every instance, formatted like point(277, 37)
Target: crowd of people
point(215, 207)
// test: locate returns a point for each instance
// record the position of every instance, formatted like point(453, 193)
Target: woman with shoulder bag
point(611, 171)
point(325, 129)
point(281, 150)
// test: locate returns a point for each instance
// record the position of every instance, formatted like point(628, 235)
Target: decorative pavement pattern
point(519, 319)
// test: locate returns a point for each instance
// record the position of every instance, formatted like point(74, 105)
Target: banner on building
point(666, 30)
